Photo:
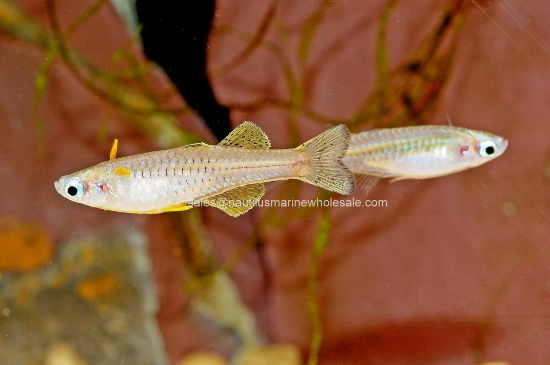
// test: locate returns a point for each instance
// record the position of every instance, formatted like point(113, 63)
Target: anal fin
point(366, 182)
point(398, 178)
point(174, 208)
point(237, 201)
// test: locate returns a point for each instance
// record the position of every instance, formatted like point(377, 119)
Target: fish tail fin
point(324, 154)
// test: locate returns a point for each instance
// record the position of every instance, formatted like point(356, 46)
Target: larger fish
point(421, 152)
point(229, 175)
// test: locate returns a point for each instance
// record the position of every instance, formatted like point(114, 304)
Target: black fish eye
point(487, 148)
point(75, 188)
point(72, 191)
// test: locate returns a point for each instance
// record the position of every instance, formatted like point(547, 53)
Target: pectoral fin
point(122, 171)
point(247, 135)
point(237, 201)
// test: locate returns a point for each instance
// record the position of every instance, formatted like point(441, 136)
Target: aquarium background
point(453, 270)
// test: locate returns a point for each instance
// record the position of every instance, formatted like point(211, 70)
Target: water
point(453, 270)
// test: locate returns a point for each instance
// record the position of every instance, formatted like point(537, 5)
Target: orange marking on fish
point(123, 171)
point(114, 149)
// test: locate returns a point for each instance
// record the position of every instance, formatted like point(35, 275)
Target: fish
point(419, 152)
point(229, 176)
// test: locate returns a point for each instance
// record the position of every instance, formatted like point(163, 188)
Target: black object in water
point(175, 35)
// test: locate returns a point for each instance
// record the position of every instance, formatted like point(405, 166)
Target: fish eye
point(75, 188)
point(487, 148)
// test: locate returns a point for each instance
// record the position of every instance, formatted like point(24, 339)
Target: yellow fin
point(324, 155)
point(237, 201)
point(114, 149)
point(198, 144)
point(247, 135)
point(122, 171)
point(175, 208)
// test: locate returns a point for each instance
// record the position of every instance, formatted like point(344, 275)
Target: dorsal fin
point(198, 144)
point(112, 155)
point(239, 200)
point(247, 135)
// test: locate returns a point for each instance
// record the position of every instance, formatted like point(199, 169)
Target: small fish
point(229, 176)
point(420, 152)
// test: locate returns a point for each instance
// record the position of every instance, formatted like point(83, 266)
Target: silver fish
point(420, 152)
point(229, 175)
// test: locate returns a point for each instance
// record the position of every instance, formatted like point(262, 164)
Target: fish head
point(481, 147)
point(86, 187)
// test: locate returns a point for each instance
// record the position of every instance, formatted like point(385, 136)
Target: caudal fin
point(325, 153)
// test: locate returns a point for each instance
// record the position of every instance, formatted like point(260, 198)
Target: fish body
point(420, 152)
point(179, 178)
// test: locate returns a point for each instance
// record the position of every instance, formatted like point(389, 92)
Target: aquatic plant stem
point(319, 245)
point(253, 45)
point(382, 60)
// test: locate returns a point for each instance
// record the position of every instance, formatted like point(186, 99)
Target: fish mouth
point(59, 184)
point(502, 146)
